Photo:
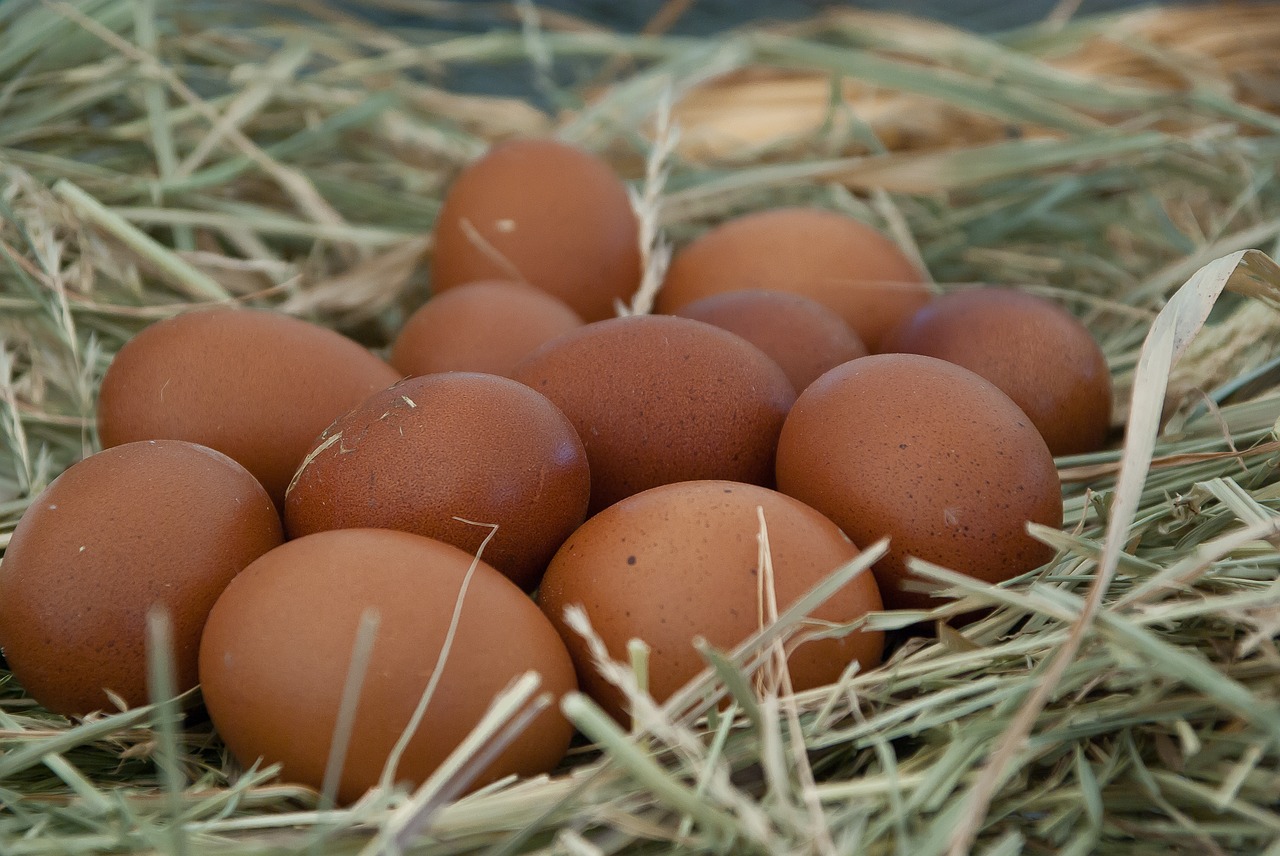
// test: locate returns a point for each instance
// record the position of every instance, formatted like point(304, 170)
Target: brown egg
point(435, 448)
point(480, 327)
point(682, 561)
point(802, 336)
point(255, 385)
point(838, 261)
point(542, 212)
point(658, 399)
point(930, 454)
point(279, 644)
point(1035, 351)
point(157, 524)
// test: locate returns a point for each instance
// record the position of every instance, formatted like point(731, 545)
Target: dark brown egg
point(255, 385)
point(658, 399)
point(801, 335)
point(432, 449)
point(1035, 351)
point(158, 524)
point(682, 561)
point(930, 454)
point(542, 212)
point(480, 327)
point(280, 641)
point(838, 261)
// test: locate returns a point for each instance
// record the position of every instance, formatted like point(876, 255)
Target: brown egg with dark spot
point(1039, 354)
point(802, 336)
point(930, 454)
point(682, 561)
point(543, 212)
point(658, 399)
point(158, 524)
point(480, 327)
point(280, 642)
point(836, 260)
point(255, 385)
point(432, 449)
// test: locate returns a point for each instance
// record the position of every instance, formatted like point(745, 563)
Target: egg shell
point(930, 454)
point(280, 641)
point(1039, 355)
point(480, 327)
point(659, 399)
point(155, 524)
point(836, 260)
point(801, 335)
point(682, 561)
point(432, 449)
point(255, 385)
point(543, 212)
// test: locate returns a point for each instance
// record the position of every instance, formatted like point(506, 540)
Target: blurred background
point(690, 18)
point(702, 17)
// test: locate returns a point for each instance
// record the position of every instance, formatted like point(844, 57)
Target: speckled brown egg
point(836, 260)
point(682, 561)
point(802, 336)
point(480, 327)
point(1035, 351)
point(432, 449)
point(280, 641)
point(658, 399)
point(930, 454)
point(157, 524)
point(255, 385)
point(543, 212)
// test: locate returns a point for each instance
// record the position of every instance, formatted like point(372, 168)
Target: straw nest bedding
point(1124, 699)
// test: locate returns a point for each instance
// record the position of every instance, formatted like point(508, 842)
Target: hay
point(1122, 700)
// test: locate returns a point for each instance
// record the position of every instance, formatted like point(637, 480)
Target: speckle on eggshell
point(930, 454)
point(455, 445)
point(154, 524)
point(682, 561)
point(658, 399)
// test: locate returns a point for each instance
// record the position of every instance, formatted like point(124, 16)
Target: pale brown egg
point(158, 524)
point(480, 327)
point(255, 385)
point(930, 454)
point(682, 561)
point(658, 399)
point(836, 260)
point(1039, 355)
point(802, 336)
point(280, 641)
point(433, 449)
point(543, 212)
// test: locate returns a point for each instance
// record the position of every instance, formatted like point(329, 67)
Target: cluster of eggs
point(270, 484)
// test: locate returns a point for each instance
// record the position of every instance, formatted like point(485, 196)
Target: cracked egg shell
point(280, 641)
point(682, 561)
point(930, 454)
point(543, 212)
point(438, 447)
point(255, 385)
point(658, 399)
point(158, 523)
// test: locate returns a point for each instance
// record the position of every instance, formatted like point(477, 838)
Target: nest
point(1125, 698)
